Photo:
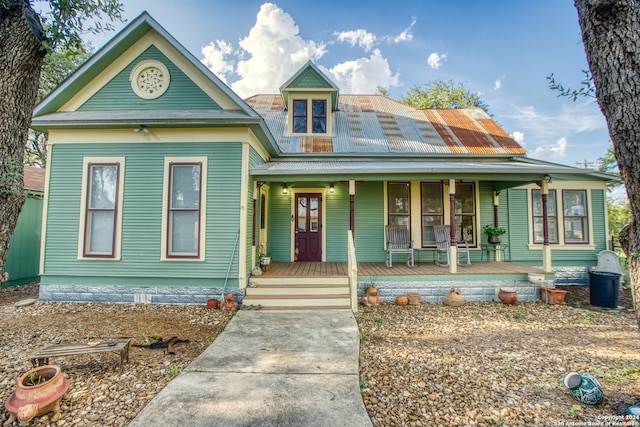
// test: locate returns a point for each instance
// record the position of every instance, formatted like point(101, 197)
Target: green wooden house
point(23, 259)
point(164, 186)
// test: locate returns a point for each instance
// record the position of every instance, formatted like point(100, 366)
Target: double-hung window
point(465, 212)
point(432, 211)
point(552, 216)
point(101, 208)
point(399, 206)
point(574, 206)
point(184, 201)
point(303, 122)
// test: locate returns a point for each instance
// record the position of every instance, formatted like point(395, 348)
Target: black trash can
point(603, 288)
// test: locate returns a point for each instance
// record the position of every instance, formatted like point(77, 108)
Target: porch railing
point(352, 271)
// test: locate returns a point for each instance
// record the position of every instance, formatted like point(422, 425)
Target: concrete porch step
point(298, 301)
point(297, 290)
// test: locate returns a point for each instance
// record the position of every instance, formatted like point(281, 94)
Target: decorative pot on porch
point(38, 392)
point(494, 234)
point(414, 298)
point(212, 303)
point(454, 298)
point(402, 300)
point(265, 260)
point(508, 296)
point(494, 239)
point(552, 295)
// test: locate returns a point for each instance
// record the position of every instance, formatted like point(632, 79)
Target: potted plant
point(494, 234)
point(38, 392)
point(264, 257)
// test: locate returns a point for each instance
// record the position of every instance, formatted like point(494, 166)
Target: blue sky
point(503, 49)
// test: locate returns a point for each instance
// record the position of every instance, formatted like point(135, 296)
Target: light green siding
point(279, 240)
point(24, 249)
point(182, 93)
point(142, 213)
point(519, 230)
point(369, 222)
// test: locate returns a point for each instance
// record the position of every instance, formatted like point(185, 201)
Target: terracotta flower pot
point(552, 295)
point(38, 392)
point(212, 304)
point(454, 298)
point(414, 298)
point(402, 300)
point(508, 296)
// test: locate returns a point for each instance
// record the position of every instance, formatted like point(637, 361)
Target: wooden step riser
point(296, 302)
point(309, 308)
point(289, 290)
point(299, 281)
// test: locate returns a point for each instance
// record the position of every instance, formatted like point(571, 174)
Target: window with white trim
point(432, 211)
point(184, 201)
point(309, 116)
point(399, 207)
point(465, 212)
point(101, 214)
point(576, 219)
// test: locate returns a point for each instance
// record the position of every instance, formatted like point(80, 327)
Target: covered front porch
point(307, 285)
point(379, 269)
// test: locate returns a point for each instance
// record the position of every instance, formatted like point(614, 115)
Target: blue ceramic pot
point(584, 387)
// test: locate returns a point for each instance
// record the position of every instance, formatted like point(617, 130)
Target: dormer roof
point(310, 78)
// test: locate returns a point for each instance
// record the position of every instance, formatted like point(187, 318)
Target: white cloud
point(497, 85)
point(215, 58)
point(519, 138)
point(274, 50)
point(405, 35)
point(551, 152)
point(572, 119)
point(359, 37)
point(363, 75)
point(436, 60)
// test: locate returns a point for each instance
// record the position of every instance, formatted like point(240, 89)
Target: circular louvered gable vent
point(149, 79)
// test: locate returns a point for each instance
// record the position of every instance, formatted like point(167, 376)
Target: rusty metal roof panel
point(377, 124)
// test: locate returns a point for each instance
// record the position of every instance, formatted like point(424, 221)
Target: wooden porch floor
point(327, 269)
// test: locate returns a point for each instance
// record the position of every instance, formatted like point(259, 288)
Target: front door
point(308, 227)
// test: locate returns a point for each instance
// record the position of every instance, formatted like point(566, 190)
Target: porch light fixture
point(331, 189)
point(547, 178)
point(285, 189)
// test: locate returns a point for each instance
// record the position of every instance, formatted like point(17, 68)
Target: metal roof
point(377, 124)
point(360, 167)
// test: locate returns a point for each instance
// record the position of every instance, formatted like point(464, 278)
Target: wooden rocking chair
point(443, 237)
point(398, 242)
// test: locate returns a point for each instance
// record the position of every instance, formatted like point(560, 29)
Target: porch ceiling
point(503, 174)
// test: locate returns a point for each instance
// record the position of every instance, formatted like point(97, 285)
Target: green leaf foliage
point(441, 94)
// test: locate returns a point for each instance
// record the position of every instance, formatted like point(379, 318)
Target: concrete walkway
point(269, 368)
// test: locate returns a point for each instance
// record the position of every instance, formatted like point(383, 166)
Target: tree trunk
point(611, 37)
point(21, 59)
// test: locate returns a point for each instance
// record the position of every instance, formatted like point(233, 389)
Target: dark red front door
point(308, 223)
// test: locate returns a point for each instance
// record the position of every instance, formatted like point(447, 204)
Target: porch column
point(546, 248)
point(496, 203)
point(453, 249)
point(352, 199)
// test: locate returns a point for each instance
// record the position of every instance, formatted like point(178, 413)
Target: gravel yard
point(482, 364)
point(100, 394)
point(487, 364)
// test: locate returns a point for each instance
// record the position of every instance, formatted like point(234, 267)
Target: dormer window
point(319, 119)
point(301, 122)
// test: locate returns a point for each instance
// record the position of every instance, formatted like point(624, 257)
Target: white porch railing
point(352, 271)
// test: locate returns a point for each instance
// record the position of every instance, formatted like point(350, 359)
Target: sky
point(502, 49)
